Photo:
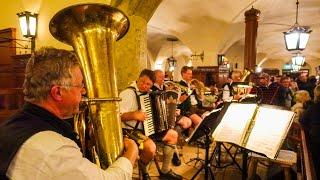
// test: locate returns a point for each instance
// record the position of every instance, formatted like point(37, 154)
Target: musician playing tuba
point(132, 117)
point(37, 142)
point(235, 88)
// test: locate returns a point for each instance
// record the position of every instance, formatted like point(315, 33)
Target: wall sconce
point(29, 25)
point(195, 56)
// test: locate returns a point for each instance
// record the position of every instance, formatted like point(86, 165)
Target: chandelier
point(171, 60)
point(298, 59)
point(296, 38)
point(295, 68)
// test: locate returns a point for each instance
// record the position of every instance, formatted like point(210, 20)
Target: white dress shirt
point(226, 94)
point(129, 103)
point(158, 86)
point(49, 155)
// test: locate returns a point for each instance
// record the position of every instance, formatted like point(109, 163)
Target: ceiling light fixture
point(296, 38)
point(298, 59)
point(171, 60)
point(295, 68)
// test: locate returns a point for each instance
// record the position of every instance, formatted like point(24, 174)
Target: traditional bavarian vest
point(24, 124)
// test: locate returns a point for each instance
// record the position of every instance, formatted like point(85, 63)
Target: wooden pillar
point(250, 46)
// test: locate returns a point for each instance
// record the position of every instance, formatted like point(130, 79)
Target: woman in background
point(301, 98)
point(311, 123)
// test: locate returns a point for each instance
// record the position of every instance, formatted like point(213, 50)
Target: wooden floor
point(187, 169)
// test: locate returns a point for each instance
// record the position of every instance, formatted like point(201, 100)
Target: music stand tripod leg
point(196, 159)
point(244, 164)
point(217, 154)
point(207, 167)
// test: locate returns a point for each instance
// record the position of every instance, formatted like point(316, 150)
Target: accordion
point(160, 107)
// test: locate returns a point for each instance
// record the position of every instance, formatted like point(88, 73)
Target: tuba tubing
point(92, 29)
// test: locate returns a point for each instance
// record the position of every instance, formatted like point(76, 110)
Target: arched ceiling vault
point(216, 25)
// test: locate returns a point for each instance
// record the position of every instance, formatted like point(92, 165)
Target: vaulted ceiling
point(217, 26)
point(212, 26)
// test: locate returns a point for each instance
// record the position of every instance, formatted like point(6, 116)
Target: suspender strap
point(139, 105)
point(137, 96)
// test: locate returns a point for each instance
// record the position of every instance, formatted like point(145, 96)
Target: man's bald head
point(159, 76)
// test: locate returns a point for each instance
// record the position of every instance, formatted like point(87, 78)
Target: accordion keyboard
point(148, 124)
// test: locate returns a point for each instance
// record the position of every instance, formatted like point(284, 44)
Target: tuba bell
point(92, 29)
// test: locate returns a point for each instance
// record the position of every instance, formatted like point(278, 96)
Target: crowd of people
point(37, 142)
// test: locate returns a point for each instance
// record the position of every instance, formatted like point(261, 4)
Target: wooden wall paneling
point(19, 65)
point(6, 52)
point(207, 75)
point(11, 99)
point(12, 69)
point(6, 45)
point(223, 75)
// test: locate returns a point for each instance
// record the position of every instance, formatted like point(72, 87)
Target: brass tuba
point(175, 86)
point(92, 29)
point(245, 75)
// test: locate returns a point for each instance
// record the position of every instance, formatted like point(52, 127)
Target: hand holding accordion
point(140, 116)
point(160, 107)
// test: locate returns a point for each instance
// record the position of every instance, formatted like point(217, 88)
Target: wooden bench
point(286, 159)
point(308, 171)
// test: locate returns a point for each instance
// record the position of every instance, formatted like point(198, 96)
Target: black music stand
point(216, 155)
point(205, 128)
point(196, 159)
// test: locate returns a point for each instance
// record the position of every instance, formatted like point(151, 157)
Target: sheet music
point(269, 130)
point(234, 123)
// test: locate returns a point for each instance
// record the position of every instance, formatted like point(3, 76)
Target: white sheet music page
point(269, 130)
point(234, 123)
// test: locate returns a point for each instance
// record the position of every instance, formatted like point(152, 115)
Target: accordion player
point(159, 108)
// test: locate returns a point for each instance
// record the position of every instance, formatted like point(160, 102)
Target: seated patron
point(311, 123)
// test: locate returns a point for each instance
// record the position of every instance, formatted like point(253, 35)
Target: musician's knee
point(195, 119)
point(149, 147)
point(171, 137)
point(185, 122)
